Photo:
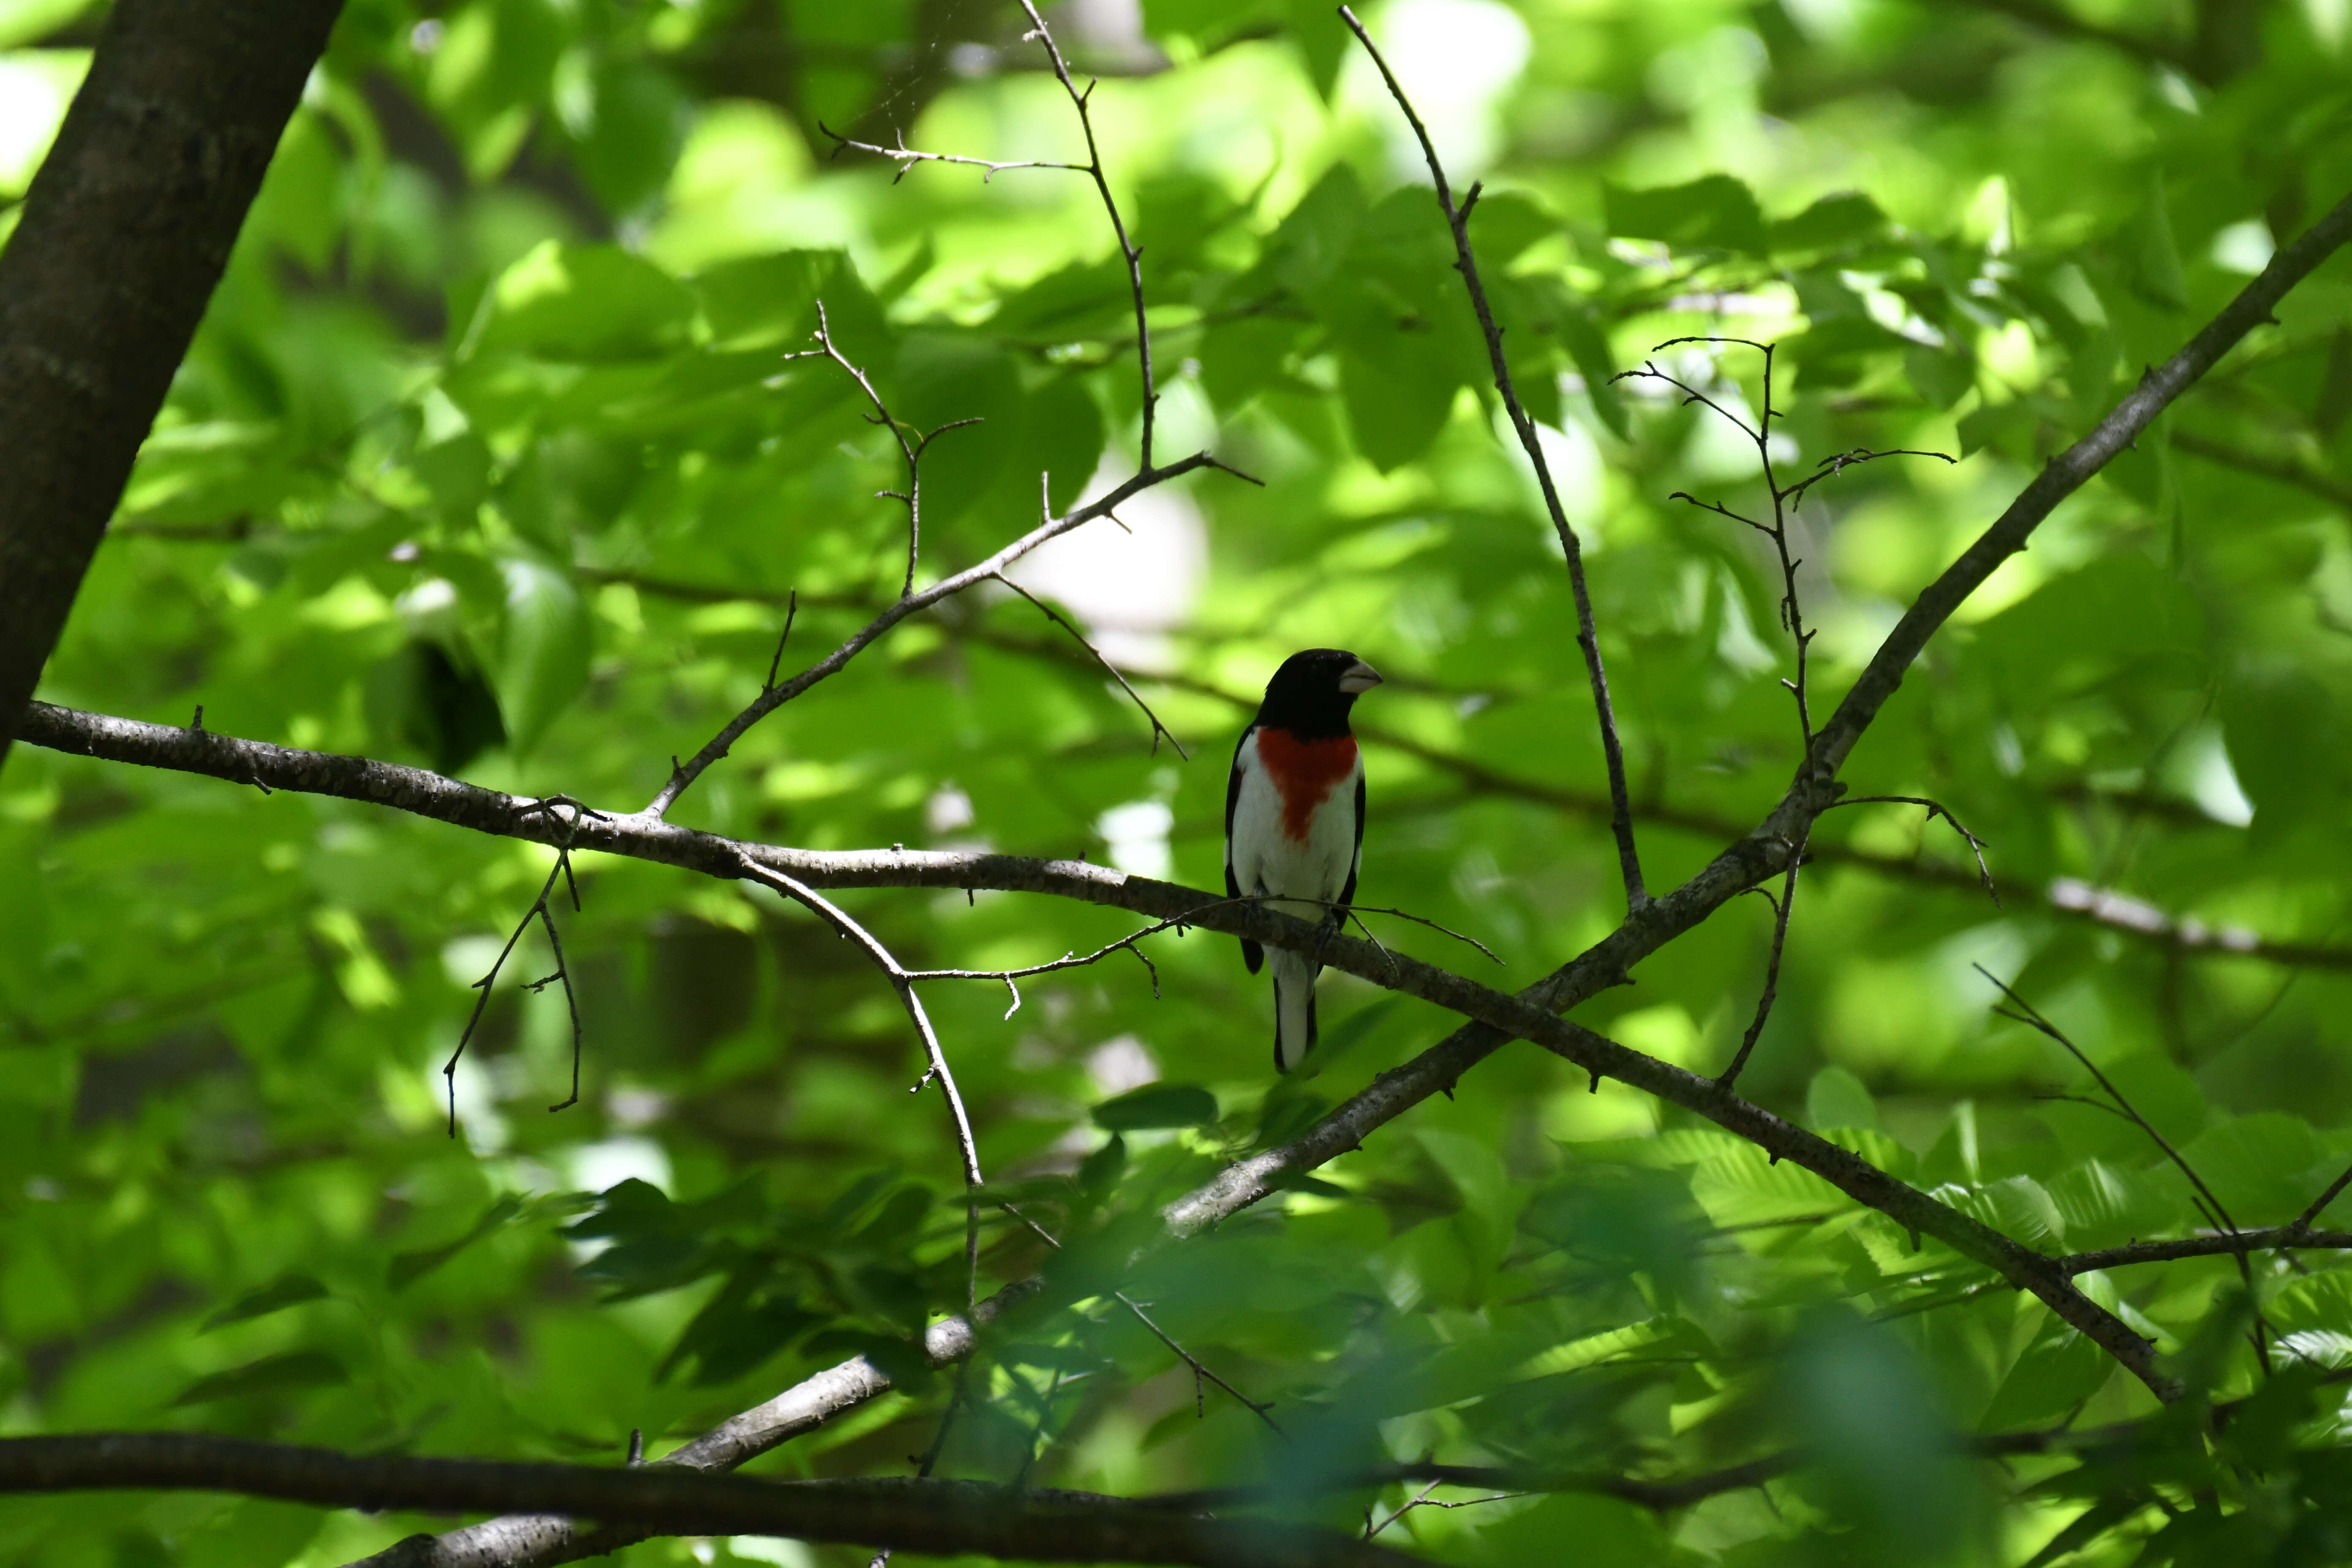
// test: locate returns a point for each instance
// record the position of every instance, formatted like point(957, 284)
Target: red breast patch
point(1304, 772)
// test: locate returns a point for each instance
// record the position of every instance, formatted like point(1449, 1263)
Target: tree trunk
point(124, 234)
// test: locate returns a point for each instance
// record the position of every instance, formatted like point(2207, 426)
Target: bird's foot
point(1328, 927)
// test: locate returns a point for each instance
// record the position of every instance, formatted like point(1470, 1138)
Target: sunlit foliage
point(488, 459)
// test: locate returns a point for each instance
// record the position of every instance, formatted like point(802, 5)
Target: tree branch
point(2062, 477)
point(1529, 1015)
point(125, 231)
point(528, 1540)
point(1465, 261)
point(776, 696)
point(945, 1518)
point(2222, 1245)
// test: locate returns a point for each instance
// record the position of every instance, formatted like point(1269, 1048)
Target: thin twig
point(1465, 261)
point(1422, 1499)
point(1128, 251)
point(1936, 808)
point(1158, 728)
point(2032, 1017)
point(1371, 1530)
point(1782, 908)
point(1128, 943)
point(2301, 1221)
point(906, 157)
point(966, 1144)
point(1792, 618)
point(792, 612)
point(683, 775)
point(1837, 463)
point(565, 830)
point(1200, 1369)
point(912, 444)
point(1067, 961)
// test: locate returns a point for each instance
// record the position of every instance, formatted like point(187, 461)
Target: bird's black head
point(1310, 695)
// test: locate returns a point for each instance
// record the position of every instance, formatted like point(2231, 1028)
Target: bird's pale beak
point(1358, 677)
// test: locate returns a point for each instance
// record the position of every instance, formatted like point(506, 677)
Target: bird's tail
point(1294, 1006)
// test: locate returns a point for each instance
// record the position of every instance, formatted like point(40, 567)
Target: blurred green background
point(488, 460)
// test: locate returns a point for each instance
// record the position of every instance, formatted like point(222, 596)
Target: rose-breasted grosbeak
point(1295, 819)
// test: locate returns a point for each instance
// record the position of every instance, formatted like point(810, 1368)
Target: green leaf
point(1714, 212)
point(281, 1374)
point(1398, 391)
point(1838, 1099)
point(1590, 349)
point(2151, 259)
point(1157, 1105)
point(407, 1267)
point(581, 302)
point(766, 302)
point(286, 1291)
point(1832, 223)
point(1323, 42)
point(1506, 223)
point(1306, 247)
point(544, 662)
point(2060, 1368)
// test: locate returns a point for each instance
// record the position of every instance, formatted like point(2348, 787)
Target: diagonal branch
point(776, 696)
point(126, 229)
point(2060, 477)
point(1465, 261)
point(1158, 728)
point(1498, 1017)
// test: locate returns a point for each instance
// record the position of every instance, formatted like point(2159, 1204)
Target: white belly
point(1268, 860)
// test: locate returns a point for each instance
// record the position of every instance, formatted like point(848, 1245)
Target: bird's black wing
point(1347, 893)
point(1252, 953)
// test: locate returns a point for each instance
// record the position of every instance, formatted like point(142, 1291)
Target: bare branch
point(2030, 1015)
point(1131, 253)
point(792, 612)
point(2297, 471)
point(2060, 477)
point(912, 444)
point(1158, 728)
point(1837, 463)
point(1465, 261)
point(1935, 809)
point(2292, 1236)
point(906, 157)
point(1497, 1017)
point(1201, 1372)
point(834, 916)
point(942, 1518)
point(776, 696)
point(1782, 908)
point(562, 831)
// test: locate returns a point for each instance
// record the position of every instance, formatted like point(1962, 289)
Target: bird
point(1294, 820)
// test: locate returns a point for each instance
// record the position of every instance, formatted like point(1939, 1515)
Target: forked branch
point(1148, 473)
point(912, 444)
point(562, 830)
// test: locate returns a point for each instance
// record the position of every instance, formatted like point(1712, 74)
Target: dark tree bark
point(124, 234)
